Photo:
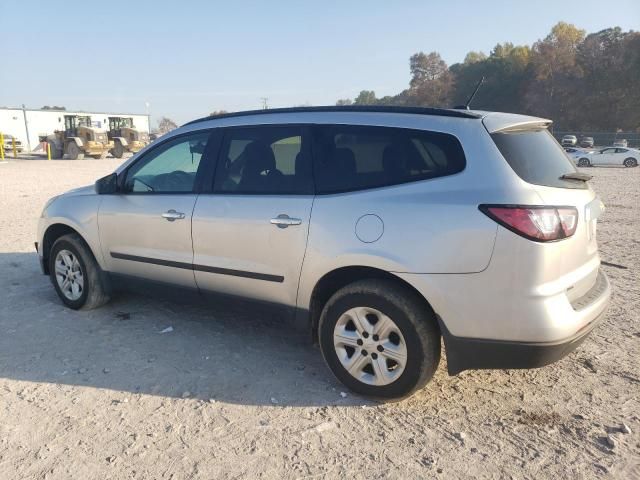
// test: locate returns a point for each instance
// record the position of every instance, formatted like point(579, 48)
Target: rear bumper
point(478, 353)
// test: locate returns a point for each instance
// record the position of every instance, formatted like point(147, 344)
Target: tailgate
point(576, 259)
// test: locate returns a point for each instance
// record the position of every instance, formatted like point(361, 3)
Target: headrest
point(259, 158)
point(344, 159)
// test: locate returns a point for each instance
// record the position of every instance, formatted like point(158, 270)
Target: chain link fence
point(603, 139)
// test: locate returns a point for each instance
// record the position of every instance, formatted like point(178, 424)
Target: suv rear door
point(250, 229)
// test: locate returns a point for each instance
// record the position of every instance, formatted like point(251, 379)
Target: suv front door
point(250, 231)
point(145, 229)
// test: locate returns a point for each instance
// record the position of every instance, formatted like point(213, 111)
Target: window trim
point(316, 147)
point(209, 155)
point(208, 187)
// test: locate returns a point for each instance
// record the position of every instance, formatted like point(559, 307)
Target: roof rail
point(444, 112)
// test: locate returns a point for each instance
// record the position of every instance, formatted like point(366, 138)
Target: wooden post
point(15, 150)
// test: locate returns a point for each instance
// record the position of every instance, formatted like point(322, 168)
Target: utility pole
point(26, 127)
point(147, 105)
point(265, 105)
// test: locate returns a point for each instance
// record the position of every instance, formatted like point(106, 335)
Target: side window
point(621, 150)
point(171, 168)
point(356, 158)
point(264, 160)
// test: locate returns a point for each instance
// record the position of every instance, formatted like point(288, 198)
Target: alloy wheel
point(370, 346)
point(69, 275)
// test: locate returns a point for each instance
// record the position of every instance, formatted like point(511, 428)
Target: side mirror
point(197, 148)
point(107, 185)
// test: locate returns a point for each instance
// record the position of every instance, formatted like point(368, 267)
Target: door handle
point(283, 221)
point(172, 215)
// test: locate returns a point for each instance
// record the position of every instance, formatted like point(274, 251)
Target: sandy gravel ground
point(231, 394)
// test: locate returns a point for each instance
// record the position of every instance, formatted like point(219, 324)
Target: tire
point(117, 150)
point(55, 153)
point(414, 329)
point(73, 151)
point(71, 253)
point(584, 162)
point(630, 162)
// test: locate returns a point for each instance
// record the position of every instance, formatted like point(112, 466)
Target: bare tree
point(165, 125)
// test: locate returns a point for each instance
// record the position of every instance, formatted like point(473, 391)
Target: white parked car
point(8, 144)
point(569, 141)
point(629, 157)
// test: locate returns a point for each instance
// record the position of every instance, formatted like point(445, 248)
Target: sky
point(185, 59)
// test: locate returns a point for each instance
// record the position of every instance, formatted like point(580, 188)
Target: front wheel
point(379, 339)
point(118, 150)
point(75, 274)
point(630, 162)
point(584, 162)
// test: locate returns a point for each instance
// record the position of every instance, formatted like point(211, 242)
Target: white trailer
point(31, 126)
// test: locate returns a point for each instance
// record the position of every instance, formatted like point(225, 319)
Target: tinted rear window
point(536, 157)
point(358, 157)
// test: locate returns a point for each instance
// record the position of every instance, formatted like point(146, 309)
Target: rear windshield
point(536, 157)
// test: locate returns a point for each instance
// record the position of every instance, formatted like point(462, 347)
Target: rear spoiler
point(507, 122)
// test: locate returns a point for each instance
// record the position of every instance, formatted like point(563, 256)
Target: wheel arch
point(53, 233)
point(76, 140)
point(338, 278)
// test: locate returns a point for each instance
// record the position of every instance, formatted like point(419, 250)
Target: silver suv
point(382, 230)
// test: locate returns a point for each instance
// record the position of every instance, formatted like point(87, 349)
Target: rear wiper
point(584, 177)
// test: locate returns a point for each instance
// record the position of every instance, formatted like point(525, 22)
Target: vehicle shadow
point(225, 351)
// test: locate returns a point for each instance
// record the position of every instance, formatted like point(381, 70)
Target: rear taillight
point(541, 224)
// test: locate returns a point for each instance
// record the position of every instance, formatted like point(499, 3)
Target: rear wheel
point(118, 150)
point(379, 339)
point(630, 162)
point(73, 151)
point(75, 274)
point(584, 162)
